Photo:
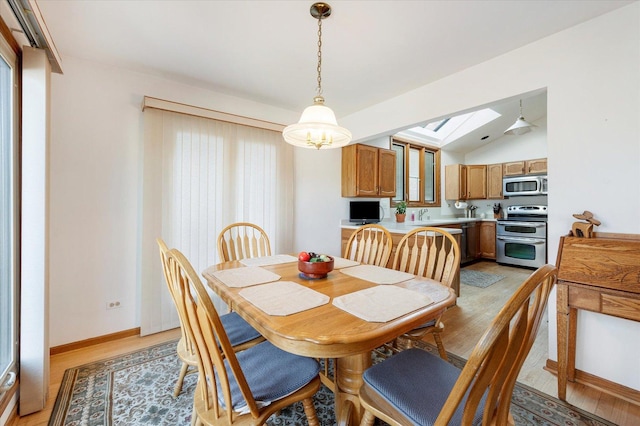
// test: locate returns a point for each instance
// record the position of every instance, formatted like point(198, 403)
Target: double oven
point(521, 237)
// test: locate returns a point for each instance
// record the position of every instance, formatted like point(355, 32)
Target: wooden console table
point(598, 275)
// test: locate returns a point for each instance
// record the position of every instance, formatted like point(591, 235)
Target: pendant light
point(317, 127)
point(521, 126)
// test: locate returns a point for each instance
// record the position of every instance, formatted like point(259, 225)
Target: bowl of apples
point(313, 266)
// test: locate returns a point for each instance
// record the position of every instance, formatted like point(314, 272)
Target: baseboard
point(603, 385)
point(94, 341)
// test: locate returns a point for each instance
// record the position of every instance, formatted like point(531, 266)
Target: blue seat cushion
point(238, 330)
point(426, 324)
point(417, 384)
point(271, 374)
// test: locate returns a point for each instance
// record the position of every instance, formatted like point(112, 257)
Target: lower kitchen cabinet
point(488, 240)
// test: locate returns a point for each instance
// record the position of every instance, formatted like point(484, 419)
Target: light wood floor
point(464, 325)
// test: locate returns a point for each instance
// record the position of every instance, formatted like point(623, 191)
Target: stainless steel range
point(521, 238)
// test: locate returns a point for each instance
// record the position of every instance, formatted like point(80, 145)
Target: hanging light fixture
point(521, 126)
point(317, 127)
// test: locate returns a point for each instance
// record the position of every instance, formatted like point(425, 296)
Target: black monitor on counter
point(363, 212)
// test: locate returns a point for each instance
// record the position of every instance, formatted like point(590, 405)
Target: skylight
point(442, 132)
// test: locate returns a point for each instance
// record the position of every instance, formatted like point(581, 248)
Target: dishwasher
point(469, 242)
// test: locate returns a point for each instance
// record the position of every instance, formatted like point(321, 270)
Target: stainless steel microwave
point(524, 185)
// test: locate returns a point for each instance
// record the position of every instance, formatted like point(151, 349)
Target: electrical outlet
point(113, 305)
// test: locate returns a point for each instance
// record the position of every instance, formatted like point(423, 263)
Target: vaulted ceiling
point(267, 50)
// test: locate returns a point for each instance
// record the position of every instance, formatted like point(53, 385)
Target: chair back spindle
point(369, 244)
point(242, 240)
point(428, 252)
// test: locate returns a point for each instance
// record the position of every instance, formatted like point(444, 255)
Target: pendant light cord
point(319, 88)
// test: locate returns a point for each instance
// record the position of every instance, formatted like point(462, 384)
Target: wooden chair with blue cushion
point(241, 334)
point(243, 240)
point(417, 388)
point(431, 253)
point(369, 244)
point(245, 387)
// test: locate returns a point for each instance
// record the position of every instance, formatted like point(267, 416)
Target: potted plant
point(401, 211)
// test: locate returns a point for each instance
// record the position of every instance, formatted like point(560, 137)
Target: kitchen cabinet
point(465, 182)
point(455, 182)
point(536, 166)
point(514, 168)
point(488, 240)
point(494, 181)
point(525, 167)
point(368, 171)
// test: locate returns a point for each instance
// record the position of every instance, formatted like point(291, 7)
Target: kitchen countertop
point(402, 228)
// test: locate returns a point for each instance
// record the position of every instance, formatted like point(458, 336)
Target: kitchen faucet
point(421, 213)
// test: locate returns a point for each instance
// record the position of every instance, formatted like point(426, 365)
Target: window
point(8, 213)
point(417, 174)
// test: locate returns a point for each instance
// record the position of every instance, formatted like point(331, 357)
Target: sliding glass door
point(8, 215)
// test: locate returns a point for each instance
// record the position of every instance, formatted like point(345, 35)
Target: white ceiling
point(267, 50)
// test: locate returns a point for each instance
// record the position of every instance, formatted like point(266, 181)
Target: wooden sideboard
point(599, 275)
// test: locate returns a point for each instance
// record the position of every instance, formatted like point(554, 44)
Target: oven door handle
point(527, 224)
point(521, 240)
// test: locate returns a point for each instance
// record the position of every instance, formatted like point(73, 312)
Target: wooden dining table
point(328, 332)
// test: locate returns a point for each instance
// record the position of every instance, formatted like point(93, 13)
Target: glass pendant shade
point(317, 128)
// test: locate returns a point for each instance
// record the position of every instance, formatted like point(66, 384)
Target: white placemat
point(245, 277)
point(283, 298)
point(377, 274)
point(432, 288)
point(269, 260)
point(382, 303)
point(341, 262)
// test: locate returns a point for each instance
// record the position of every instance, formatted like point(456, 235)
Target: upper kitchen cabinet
point(368, 171)
point(518, 168)
point(513, 168)
point(494, 181)
point(537, 166)
point(476, 182)
point(465, 182)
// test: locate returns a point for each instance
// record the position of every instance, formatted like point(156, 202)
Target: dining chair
point(242, 240)
point(238, 387)
point(241, 334)
point(431, 253)
point(369, 244)
point(418, 388)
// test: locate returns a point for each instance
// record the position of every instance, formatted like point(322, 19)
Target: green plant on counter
point(401, 207)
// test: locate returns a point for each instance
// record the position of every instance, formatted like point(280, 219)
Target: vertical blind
point(199, 176)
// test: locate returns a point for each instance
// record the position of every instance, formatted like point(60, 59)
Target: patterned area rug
point(478, 279)
point(137, 389)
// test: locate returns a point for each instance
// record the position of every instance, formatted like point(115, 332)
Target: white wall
point(592, 76)
point(96, 168)
point(513, 148)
